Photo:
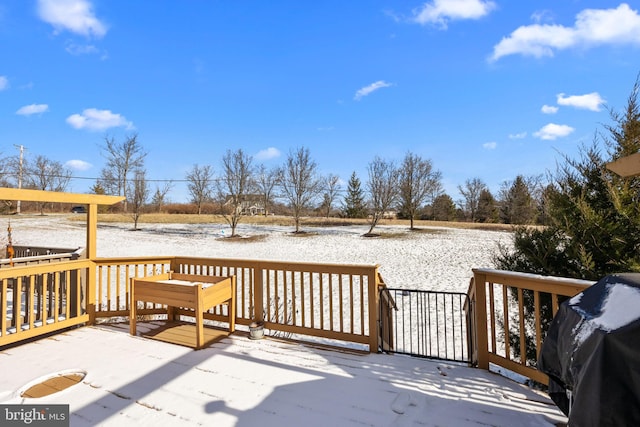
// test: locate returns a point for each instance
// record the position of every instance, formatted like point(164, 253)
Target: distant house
point(390, 215)
point(250, 204)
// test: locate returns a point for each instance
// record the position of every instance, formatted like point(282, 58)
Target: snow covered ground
point(431, 259)
point(136, 381)
point(240, 382)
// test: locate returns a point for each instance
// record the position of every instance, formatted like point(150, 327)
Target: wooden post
point(258, 294)
point(232, 305)
point(92, 229)
point(482, 338)
point(199, 316)
point(374, 297)
point(133, 308)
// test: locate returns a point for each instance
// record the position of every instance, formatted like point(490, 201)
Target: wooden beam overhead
point(53, 196)
point(627, 166)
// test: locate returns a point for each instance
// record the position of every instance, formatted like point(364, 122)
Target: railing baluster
point(537, 314)
point(4, 305)
point(32, 290)
point(505, 318)
point(57, 300)
point(303, 298)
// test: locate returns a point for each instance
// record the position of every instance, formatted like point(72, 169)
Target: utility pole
point(21, 147)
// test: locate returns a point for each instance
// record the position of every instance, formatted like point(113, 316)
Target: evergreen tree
point(518, 206)
point(97, 188)
point(594, 215)
point(444, 209)
point(354, 206)
point(487, 209)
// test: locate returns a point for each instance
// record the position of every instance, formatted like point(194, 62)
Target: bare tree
point(471, 193)
point(122, 160)
point(234, 184)
point(159, 198)
point(332, 188)
point(7, 170)
point(200, 184)
point(46, 174)
point(109, 182)
point(299, 182)
point(382, 187)
point(417, 182)
point(265, 182)
point(6, 173)
point(139, 192)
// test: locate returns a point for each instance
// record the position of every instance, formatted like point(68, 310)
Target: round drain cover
point(53, 384)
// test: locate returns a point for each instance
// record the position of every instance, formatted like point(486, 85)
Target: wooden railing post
point(92, 229)
point(470, 319)
point(258, 294)
point(374, 297)
point(482, 337)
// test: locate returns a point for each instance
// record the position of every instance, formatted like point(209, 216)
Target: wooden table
point(196, 292)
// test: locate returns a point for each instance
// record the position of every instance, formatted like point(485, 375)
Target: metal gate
point(427, 324)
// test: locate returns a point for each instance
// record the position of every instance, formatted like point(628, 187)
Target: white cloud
point(4, 83)
point(267, 154)
point(549, 109)
point(592, 27)
point(541, 16)
point(93, 119)
point(80, 49)
point(553, 131)
point(520, 135)
point(76, 16)
point(440, 12)
point(590, 101)
point(490, 145)
point(361, 93)
point(28, 110)
point(79, 165)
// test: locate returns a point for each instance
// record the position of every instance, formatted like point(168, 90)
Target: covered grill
point(592, 354)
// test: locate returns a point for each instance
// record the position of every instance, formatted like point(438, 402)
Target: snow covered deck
point(137, 381)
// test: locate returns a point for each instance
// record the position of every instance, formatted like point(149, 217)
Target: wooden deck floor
point(184, 333)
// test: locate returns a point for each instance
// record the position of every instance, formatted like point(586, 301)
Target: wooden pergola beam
point(626, 167)
point(52, 196)
point(92, 201)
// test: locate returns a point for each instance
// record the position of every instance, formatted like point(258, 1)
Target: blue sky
point(486, 89)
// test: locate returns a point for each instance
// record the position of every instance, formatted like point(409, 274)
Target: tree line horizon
point(409, 190)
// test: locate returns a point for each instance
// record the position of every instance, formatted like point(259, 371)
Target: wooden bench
point(196, 292)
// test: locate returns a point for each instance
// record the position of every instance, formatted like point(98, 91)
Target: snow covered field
point(432, 259)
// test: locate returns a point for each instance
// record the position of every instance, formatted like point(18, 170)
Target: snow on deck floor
point(239, 382)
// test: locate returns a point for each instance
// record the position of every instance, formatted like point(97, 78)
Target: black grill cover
point(593, 349)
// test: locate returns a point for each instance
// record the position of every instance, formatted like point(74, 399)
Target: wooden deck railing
point(332, 301)
point(509, 313)
point(30, 251)
point(30, 255)
point(43, 298)
point(113, 284)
